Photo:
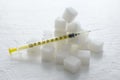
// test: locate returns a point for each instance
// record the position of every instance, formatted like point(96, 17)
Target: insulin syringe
point(72, 35)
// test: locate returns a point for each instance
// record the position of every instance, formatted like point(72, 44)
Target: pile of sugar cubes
point(71, 53)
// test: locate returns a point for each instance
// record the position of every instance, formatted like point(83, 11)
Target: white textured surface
point(33, 16)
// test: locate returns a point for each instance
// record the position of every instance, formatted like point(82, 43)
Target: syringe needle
point(72, 35)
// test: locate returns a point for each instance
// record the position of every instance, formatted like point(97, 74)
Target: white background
point(21, 20)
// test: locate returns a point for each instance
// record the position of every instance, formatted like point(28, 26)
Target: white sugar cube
point(83, 46)
point(84, 56)
point(72, 64)
point(83, 37)
point(83, 40)
point(95, 46)
point(60, 24)
point(58, 33)
point(69, 14)
point(60, 56)
point(73, 27)
point(63, 47)
point(74, 49)
point(59, 44)
point(34, 51)
point(47, 53)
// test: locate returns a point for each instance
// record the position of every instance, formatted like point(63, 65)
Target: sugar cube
point(84, 56)
point(73, 27)
point(58, 33)
point(83, 37)
point(60, 56)
point(47, 53)
point(60, 24)
point(72, 64)
point(66, 46)
point(83, 40)
point(69, 14)
point(83, 46)
point(74, 49)
point(34, 51)
point(95, 46)
point(60, 43)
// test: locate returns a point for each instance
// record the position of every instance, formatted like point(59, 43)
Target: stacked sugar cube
point(72, 53)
